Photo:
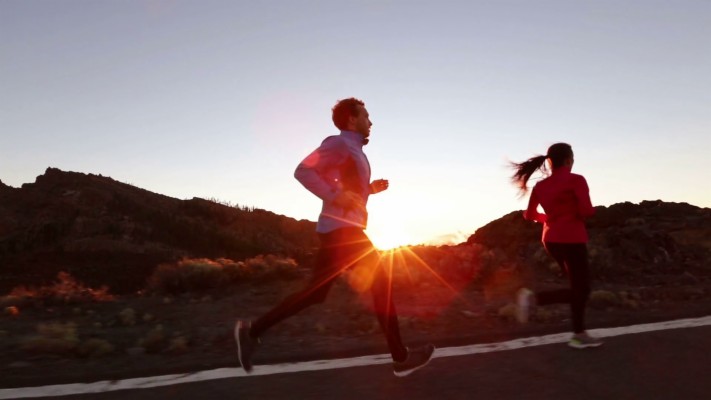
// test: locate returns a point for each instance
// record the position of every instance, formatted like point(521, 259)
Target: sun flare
point(388, 222)
point(388, 238)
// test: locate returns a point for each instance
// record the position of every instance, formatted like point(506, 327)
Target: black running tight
point(342, 250)
point(573, 261)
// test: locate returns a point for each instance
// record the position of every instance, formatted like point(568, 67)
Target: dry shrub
point(65, 290)
point(502, 283)
point(187, 275)
point(53, 338)
point(604, 299)
point(127, 317)
point(154, 341)
point(202, 274)
point(270, 267)
point(12, 311)
point(62, 339)
point(94, 348)
point(178, 345)
point(543, 314)
point(633, 300)
point(507, 312)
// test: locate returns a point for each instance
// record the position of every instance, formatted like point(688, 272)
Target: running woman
point(565, 198)
point(338, 172)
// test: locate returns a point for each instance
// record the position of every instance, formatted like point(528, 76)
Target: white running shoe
point(524, 301)
point(583, 340)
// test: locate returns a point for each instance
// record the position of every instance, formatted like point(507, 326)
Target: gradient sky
point(222, 99)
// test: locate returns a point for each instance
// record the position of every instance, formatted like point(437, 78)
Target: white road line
point(222, 373)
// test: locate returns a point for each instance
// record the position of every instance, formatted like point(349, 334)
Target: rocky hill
point(105, 232)
point(653, 241)
point(93, 226)
point(649, 261)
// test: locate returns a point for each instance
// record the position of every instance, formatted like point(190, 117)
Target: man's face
point(361, 123)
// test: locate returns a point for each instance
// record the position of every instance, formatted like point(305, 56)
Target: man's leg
point(314, 293)
point(405, 360)
point(385, 309)
point(325, 272)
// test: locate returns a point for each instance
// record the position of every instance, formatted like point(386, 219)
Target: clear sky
point(222, 99)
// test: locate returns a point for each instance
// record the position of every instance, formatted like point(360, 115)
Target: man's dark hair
point(346, 108)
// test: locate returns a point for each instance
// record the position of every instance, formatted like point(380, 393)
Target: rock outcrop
point(652, 240)
point(93, 226)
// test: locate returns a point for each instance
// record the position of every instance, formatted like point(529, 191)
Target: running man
point(338, 173)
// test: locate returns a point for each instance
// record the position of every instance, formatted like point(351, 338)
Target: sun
point(388, 237)
point(393, 218)
point(388, 222)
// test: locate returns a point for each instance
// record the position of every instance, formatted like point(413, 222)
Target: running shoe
point(524, 301)
point(416, 359)
point(583, 340)
point(245, 344)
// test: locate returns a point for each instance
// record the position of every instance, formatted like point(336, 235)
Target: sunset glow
point(412, 273)
point(207, 107)
point(388, 238)
point(390, 221)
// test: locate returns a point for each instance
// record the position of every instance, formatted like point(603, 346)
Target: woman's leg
point(579, 283)
point(573, 260)
point(558, 296)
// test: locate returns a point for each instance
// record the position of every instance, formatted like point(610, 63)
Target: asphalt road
point(666, 364)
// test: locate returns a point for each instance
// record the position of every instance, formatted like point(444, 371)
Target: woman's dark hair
point(558, 153)
point(346, 108)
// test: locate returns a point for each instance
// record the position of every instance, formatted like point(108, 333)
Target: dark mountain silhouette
point(93, 226)
point(649, 241)
point(105, 232)
point(650, 261)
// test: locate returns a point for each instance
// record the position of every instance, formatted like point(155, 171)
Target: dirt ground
point(165, 335)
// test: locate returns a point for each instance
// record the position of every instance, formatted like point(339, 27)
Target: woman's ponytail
point(558, 153)
point(524, 170)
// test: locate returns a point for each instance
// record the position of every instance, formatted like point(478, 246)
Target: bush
point(507, 312)
point(12, 311)
point(66, 290)
point(53, 338)
point(93, 348)
point(202, 274)
point(127, 317)
point(154, 341)
point(187, 275)
point(270, 267)
point(178, 345)
point(604, 299)
point(61, 339)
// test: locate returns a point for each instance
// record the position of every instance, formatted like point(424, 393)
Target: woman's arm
point(531, 212)
point(582, 193)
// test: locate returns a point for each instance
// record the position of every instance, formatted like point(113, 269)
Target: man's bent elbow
point(300, 172)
